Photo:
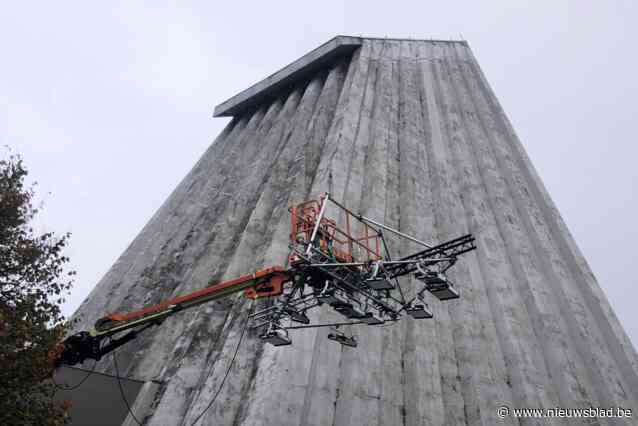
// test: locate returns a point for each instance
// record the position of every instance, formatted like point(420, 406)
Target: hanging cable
point(70, 388)
point(389, 257)
point(119, 384)
point(221, 385)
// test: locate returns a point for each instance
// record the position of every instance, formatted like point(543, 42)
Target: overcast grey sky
point(111, 103)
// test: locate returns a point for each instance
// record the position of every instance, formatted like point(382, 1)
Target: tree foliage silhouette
point(33, 283)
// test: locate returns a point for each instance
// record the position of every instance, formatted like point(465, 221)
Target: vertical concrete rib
point(481, 181)
point(566, 371)
point(391, 408)
point(96, 301)
point(480, 336)
point(478, 408)
point(444, 212)
point(606, 380)
point(321, 392)
point(359, 384)
point(269, 383)
point(360, 398)
point(232, 226)
point(167, 406)
point(256, 240)
point(423, 403)
point(627, 355)
point(246, 253)
point(204, 246)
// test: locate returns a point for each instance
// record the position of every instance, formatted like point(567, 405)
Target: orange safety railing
point(342, 243)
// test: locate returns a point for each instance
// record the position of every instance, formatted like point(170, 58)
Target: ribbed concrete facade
point(409, 133)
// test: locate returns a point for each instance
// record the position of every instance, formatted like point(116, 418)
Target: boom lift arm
point(83, 345)
point(343, 264)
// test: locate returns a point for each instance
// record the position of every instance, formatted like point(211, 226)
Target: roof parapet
point(297, 70)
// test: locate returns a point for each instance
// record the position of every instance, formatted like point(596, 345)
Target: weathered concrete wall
point(410, 133)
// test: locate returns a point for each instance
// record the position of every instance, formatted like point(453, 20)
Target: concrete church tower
point(410, 133)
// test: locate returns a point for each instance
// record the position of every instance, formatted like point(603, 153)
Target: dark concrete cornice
point(298, 70)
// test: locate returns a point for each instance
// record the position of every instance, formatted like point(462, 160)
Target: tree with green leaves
point(33, 283)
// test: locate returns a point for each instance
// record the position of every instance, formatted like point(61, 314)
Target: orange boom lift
point(342, 263)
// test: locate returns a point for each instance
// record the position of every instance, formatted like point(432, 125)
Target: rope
point(119, 383)
point(241, 337)
point(69, 388)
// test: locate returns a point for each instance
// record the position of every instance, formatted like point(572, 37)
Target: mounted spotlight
point(343, 339)
point(297, 316)
point(437, 284)
point(419, 310)
point(349, 311)
point(379, 283)
point(372, 319)
point(332, 297)
point(276, 336)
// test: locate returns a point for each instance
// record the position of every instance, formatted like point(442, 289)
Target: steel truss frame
point(318, 267)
